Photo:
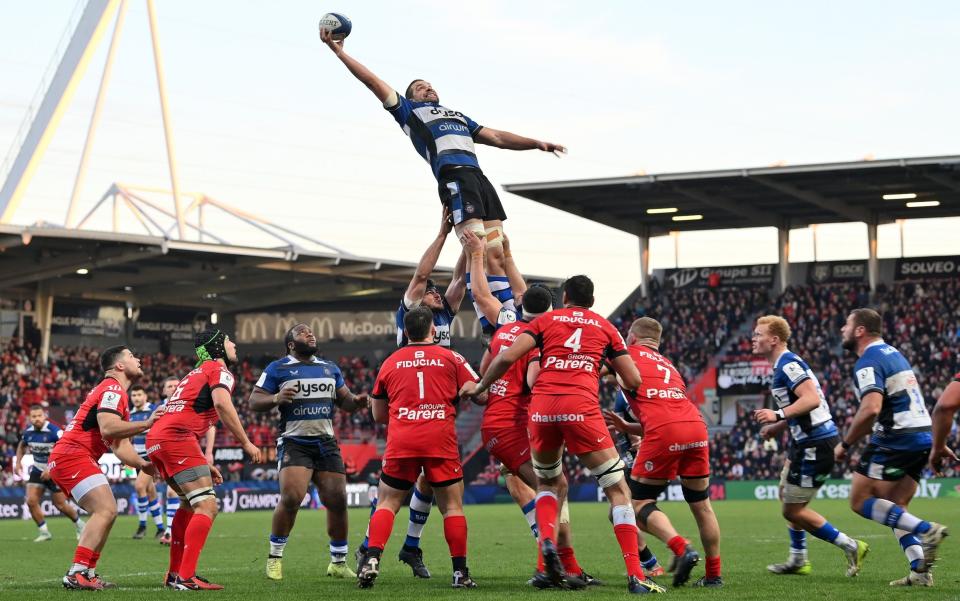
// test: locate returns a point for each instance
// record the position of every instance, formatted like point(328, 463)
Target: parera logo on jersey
point(423, 411)
point(585, 363)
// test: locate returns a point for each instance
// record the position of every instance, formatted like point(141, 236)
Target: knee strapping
point(200, 495)
point(548, 471)
point(609, 473)
point(644, 514)
point(693, 496)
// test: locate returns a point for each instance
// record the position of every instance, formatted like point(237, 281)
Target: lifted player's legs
point(332, 488)
point(294, 480)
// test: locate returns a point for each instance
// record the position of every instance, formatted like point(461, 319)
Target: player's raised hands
point(326, 36)
point(446, 223)
point(471, 241)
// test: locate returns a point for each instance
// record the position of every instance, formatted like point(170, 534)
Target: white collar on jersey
point(881, 341)
point(777, 360)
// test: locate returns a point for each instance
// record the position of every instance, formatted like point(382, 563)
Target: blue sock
point(338, 550)
point(366, 535)
point(142, 503)
point(419, 512)
point(826, 532)
point(647, 559)
point(798, 543)
point(156, 512)
point(42, 524)
point(887, 513)
point(530, 514)
point(911, 548)
point(172, 506)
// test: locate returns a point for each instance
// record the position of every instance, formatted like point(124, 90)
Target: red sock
point(193, 541)
point(455, 531)
point(628, 536)
point(381, 525)
point(713, 567)
point(94, 558)
point(569, 560)
point(677, 545)
point(181, 519)
point(547, 509)
point(82, 556)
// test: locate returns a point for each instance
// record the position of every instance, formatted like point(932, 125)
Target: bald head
point(646, 331)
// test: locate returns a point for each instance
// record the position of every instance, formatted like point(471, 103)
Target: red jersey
point(421, 383)
point(662, 396)
point(573, 341)
point(509, 397)
point(83, 431)
point(190, 408)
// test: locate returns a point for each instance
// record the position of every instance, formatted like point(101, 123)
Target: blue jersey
point(903, 423)
point(441, 321)
point(140, 440)
point(501, 290)
point(40, 442)
point(441, 136)
point(309, 416)
point(789, 372)
point(624, 445)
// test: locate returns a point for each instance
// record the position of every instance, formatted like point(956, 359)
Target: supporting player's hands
point(937, 456)
point(471, 242)
point(556, 149)
point(216, 475)
point(614, 421)
point(446, 223)
point(765, 416)
point(326, 36)
point(839, 453)
point(157, 414)
point(469, 391)
point(285, 395)
point(254, 451)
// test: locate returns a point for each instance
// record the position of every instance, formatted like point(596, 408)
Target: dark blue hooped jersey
point(310, 415)
point(441, 321)
point(140, 440)
point(443, 137)
point(40, 442)
point(903, 423)
point(789, 372)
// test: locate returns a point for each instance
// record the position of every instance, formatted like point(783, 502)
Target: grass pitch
point(502, 556)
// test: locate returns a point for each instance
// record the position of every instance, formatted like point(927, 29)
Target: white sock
point(845, 542)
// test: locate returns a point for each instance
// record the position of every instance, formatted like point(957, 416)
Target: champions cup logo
point(230, 502)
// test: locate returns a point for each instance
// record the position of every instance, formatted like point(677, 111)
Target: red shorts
point(403, 472)
point(173, 456)
point(677, 449)
point(75, 473)
point(571, 419)
point(510, 445)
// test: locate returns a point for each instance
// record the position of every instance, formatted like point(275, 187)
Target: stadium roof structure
point(152, 270)
point(781, 196)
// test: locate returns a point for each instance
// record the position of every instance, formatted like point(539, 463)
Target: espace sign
point(927, 267)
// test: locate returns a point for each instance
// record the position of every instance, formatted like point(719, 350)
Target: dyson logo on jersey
point(554, 362)
point(556, 417)
point(676, 448)
point(437, 411)
point(312, 387)
point(669, 393)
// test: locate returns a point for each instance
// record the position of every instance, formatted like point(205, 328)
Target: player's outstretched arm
point(482, 296)
point(521, 346)
point(511, 141)
point(350, 402)
point(228, 415)
point(418, 283)
point(942, 418)
point(517, 283)
point(458, 285)
point(629, 376)
point(112, 425)
point(376, 85)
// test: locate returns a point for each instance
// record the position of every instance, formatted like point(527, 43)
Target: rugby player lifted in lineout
point(445, 139)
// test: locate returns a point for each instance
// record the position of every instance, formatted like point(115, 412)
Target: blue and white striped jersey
point(903, 423)
point(443, 137)
point(40, 442)
point(140, 440)
point(501, 290)
point(789, 372)
point(441, 321)
point(310, 414)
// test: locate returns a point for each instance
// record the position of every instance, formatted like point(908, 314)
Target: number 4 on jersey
point(573, 343)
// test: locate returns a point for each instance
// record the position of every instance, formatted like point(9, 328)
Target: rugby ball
point(338, 25)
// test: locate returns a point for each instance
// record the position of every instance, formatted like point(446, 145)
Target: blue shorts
point(881, 463)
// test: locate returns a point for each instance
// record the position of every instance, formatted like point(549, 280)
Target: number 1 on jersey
point(420, 382)
point(573, 343)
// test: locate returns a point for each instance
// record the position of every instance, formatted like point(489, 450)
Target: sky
point(265, 118)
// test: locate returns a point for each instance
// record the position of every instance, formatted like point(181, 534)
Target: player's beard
point(302, 348)
point(849, 344)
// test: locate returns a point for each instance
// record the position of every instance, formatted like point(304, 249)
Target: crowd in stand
point(921, 319)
